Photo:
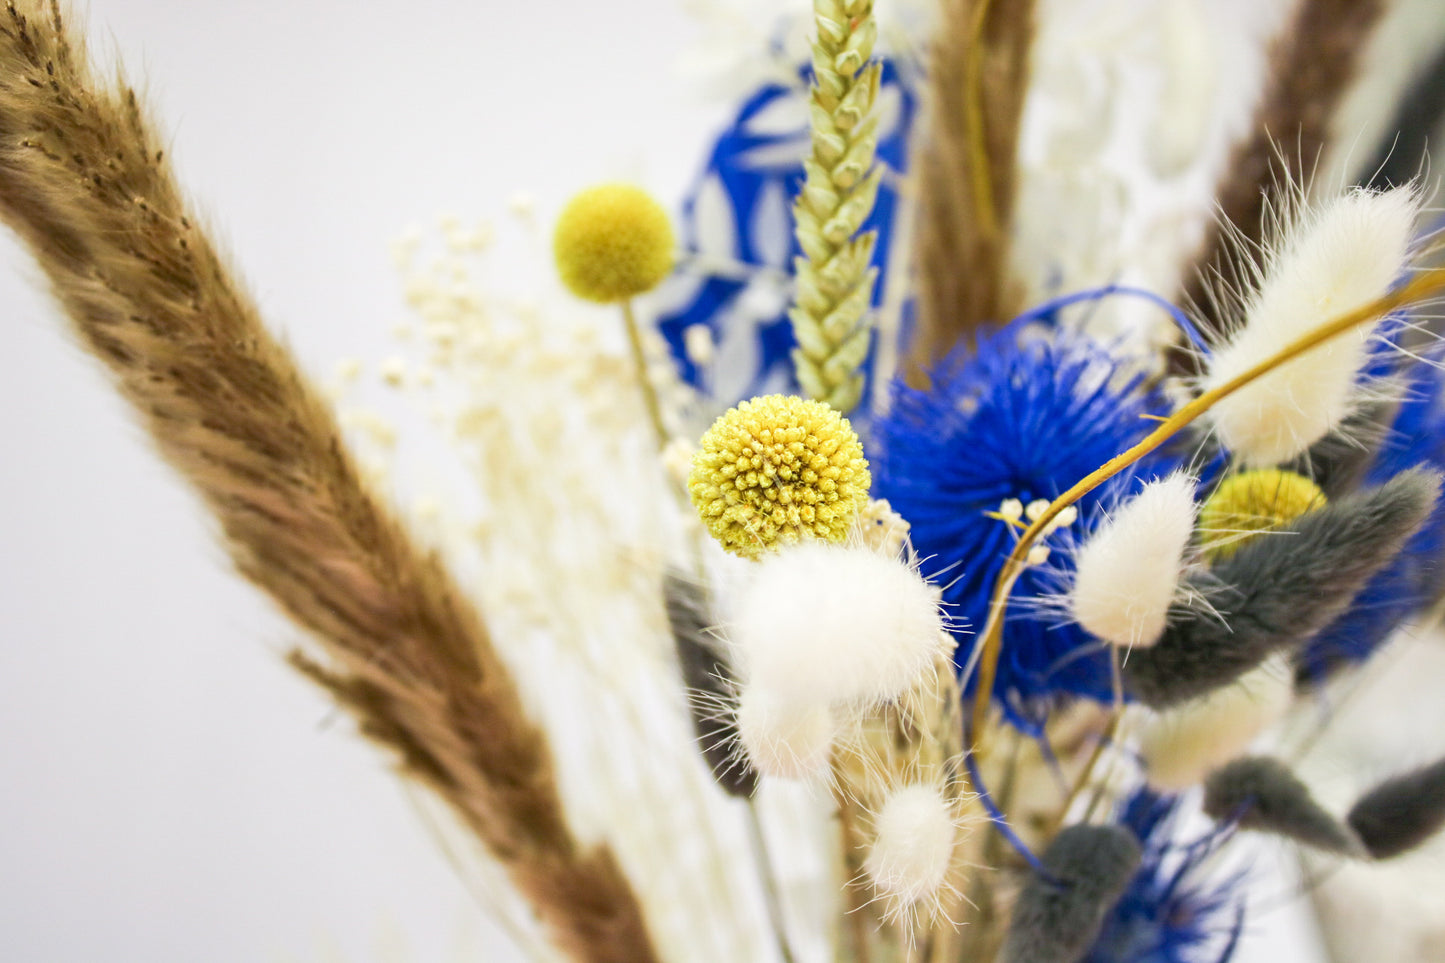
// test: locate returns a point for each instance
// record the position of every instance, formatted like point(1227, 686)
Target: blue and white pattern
point(736, 276)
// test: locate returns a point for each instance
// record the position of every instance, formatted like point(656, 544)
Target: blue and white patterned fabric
point(736, 276)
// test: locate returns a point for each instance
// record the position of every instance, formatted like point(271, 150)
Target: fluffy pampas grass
point(1128, 571)
point(1330, 261)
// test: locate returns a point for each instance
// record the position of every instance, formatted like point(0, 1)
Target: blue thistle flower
point(1168, 914)
point(1416, 577)
point(1026, 416)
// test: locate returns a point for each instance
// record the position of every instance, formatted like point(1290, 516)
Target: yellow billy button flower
point(613, 242)
point(1251, 502)
point(776, 469)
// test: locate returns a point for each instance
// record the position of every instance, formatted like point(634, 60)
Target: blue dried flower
point(1168, 914)
point(1416, 577)
point(1034, 410)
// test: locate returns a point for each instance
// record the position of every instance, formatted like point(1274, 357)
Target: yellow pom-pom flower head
point(778, 469)
point(1253, 502)
point(613, 242)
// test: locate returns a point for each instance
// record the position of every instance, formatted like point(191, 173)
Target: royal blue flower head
point(1415, 578)
point(1035, 408)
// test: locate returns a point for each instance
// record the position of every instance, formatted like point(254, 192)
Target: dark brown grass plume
point(1312, 63)
point(84, 184)
point(967, 171)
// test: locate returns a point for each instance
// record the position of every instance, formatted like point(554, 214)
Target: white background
point(169, 790)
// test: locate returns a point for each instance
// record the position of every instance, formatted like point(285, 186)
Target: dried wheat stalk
point(967, 171)
point(84, 184)
point(831, 317)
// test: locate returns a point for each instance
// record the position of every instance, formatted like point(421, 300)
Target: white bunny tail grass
point(783, 737)
point(835, 624)
point(1331, 260)
point(1128, 572)
point(908, 861)
point(1181, 746)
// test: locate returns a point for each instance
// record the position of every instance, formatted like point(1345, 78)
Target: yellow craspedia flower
point(1252, 502)
point(777, 469)
point(613, 242)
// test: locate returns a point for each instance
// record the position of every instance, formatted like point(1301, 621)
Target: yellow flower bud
point(1251, 502)
point(778, 468)
point(612, 242)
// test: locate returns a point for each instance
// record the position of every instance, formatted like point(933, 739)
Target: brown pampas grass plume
point(84, 183)
point(1312, 63)
point(967, 171)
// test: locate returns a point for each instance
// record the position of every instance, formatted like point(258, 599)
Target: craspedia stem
point(834, 280)
point(644, 381)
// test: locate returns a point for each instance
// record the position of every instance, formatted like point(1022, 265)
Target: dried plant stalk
point(84, 184)
point(967, 171)
point(1311, 65)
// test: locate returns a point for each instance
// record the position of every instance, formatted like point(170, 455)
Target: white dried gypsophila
point(563, 541)
point(882, 529)
point(835, 625)
point(1326, 261)
point(1181, 746)
point(1127, 574)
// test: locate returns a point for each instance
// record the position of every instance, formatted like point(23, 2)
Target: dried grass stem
point(84, 183)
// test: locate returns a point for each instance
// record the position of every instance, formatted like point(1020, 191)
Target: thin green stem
point(772, 895)
point(644, 382)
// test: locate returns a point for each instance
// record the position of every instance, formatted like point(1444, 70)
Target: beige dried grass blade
point(1311, 65)
point(84, 183)
point(967, 171)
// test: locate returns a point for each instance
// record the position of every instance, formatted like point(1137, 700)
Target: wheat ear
point(978, 74)
point(831, 318)
point(85, 185)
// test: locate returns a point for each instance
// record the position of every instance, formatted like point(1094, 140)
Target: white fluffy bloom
point(915, 831)
point(1334, 260)
point(784, 738)
point(824, 623)
point(1183, 745)
point(1128, 572)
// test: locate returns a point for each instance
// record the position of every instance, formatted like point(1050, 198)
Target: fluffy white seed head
point(1333, 260)
point(1128, 572)
point(1182, 746)
point(826, 623)
point(783, 738)
point(913, 846)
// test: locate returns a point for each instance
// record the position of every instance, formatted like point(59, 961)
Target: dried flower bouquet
point(1007, 594)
